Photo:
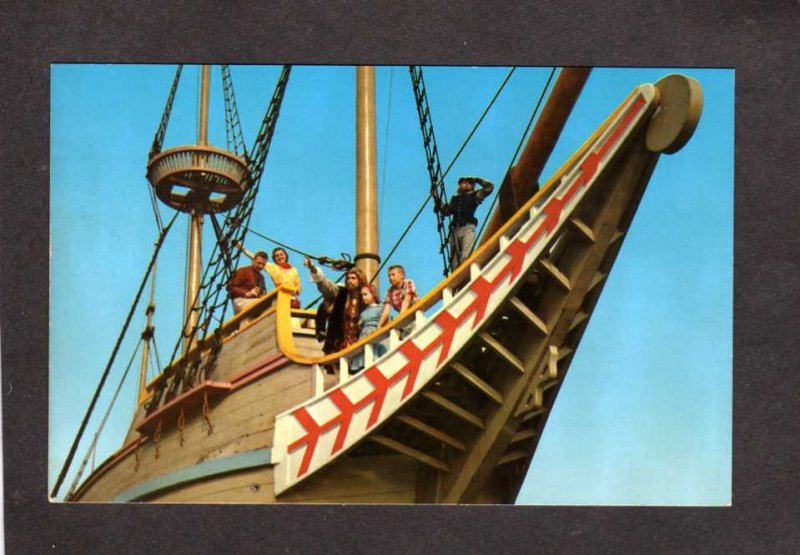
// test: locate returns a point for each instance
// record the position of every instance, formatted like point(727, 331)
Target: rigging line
point(155, 353)
point(513, 158)
point(386, 144)
point(444, 173)
point(224, 249)
point(103, 378)
point(284, 245)
point(156, 211)
point(480, 119)
point(403, 236)
point(197, 117)
point(93, 447)
point(158, 139)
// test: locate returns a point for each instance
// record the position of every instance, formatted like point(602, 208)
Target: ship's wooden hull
point(441, 418)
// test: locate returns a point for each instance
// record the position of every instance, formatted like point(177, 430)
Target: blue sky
point(644, 415)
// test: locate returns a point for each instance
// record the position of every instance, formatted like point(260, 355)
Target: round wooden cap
point(680, 106)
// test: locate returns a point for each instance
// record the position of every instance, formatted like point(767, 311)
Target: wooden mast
point(366, 257)
point(194, 247)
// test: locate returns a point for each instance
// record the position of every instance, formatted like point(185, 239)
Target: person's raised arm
point(486, 187)
point(324, 285)
point(249, 254)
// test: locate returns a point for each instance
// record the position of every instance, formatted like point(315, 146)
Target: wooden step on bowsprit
point(470, 377)
point(408, 451)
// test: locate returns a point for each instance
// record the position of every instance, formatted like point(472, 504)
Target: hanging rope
point(103, 378)
point(93, 447)
point(432, 157)
point(514, 158)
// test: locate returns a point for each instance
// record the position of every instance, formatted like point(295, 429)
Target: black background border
point(756, 41)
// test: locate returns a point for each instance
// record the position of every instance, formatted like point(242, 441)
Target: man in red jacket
point(247, 284)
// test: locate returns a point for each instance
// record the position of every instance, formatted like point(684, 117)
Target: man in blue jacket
point(462, 208)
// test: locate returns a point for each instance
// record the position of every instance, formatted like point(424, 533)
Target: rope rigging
point(158, 140)
point(156, 210)
point(113, 356)
point(432, 157)
point(233, 127)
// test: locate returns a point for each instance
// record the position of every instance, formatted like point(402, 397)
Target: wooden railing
point(254, 313)
point(225, 170)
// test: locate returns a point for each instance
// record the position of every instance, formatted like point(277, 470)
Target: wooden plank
point(533, 414)
point(248, 486)
point(189, 401)
point(202, 471)
point(528, 314)
point(580, 317)
point(431, 431)
point(548, 384)
point(189, 455)
point(597, 279)
point(478, 383)
point(504, 353)
point(522, 434)
point(548, 265)
point(456, 410)
point(409, 452)
point(581, 226)
point(268, 396)
point(512, 456)
point(243, 420)
point(246, 415)
point(375, 479)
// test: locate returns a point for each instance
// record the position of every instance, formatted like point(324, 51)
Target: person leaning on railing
point(247, 285)
point(279, 270)
point(401, 294)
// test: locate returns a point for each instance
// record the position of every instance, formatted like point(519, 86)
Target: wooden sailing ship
point(450, 414)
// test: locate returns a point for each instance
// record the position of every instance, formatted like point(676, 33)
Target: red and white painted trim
point(311, 435)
